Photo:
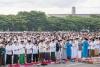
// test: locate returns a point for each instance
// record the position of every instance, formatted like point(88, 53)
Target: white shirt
point(41, 47)
point(35, 49)
point(21, 49)
point(52, 47)
point(15, 49)
point(75, 45)
point(96, 44)
point(91, 45)
point(9, 49)
point(47, 48)
point(28, 48)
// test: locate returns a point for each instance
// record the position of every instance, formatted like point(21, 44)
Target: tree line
point(39, 21)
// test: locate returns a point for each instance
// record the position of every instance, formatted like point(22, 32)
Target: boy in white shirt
point(91, 48)
point(53, 50)
point(9, 53)
point(41, 51)
point(97, 43)
point(47, 51)
point(15, 47)
point(28, 48)
point(35, 49)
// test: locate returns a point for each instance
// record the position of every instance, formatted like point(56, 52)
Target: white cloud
point(89, 6)
point(49, 6)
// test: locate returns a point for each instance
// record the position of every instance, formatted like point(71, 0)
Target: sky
point(50, 6)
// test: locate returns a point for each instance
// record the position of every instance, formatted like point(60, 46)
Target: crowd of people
point(28, 47)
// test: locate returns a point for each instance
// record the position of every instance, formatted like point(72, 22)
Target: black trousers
point(42, 56)
point(28, 57)
point(8, 59)
point(47, 56)
point(15, 59)
point(2, 59)
point(35, 57)
point(2, 56)
point(53, 58)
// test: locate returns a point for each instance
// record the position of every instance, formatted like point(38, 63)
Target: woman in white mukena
point(74, 49)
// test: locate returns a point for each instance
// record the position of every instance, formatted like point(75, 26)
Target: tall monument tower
point(73, 10)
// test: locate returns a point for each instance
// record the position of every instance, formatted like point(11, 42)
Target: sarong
point(22, 59)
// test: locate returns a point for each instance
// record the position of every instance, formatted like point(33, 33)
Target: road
point(61, 65)
point(73, 65)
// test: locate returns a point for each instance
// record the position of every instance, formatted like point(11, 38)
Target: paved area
point(62, 65)
point(73, 65)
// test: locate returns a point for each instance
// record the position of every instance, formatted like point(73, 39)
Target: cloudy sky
point(49, 6)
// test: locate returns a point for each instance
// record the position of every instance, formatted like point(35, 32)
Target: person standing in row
point(15, 48)
point(85, 46)
point(35, 52)
point(53, 50)
point(28, 48)
point(68, 49)
point(41, 51)
point(63, 51)
point(74, 50)
point(79, 49)
point(2, 54)
point(58, 51)
point(22, 52)
point(9, 53)
point(97, 47)
point(47, 51)
point(91, 48)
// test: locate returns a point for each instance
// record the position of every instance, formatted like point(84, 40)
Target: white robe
point(79, 54)
point(63, 52)
point(74, 50)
